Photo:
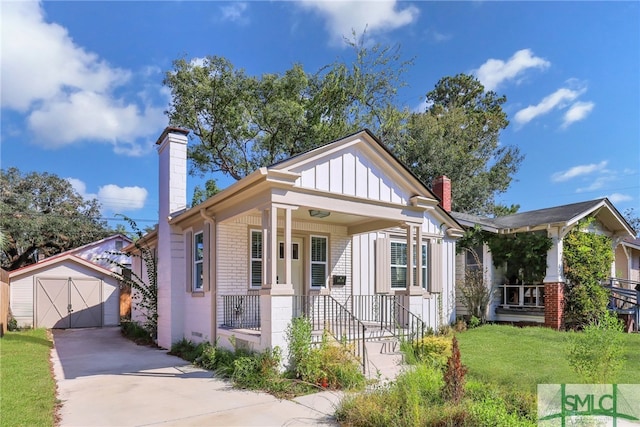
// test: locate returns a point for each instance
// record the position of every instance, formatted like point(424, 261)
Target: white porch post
point(276, 303)
point(419, 257)
point(410, 245)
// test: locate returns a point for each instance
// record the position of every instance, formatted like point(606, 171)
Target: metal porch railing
point(241, 311)
point(325, 313)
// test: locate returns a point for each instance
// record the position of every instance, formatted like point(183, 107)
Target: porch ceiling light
point(318, 213)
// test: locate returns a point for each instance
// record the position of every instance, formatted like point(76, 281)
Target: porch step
point(384, 360)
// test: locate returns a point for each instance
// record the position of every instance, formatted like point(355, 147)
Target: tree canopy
point(41, 213)
point(240, 123)
point(458, 136)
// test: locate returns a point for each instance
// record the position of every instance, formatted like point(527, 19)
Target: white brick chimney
point(172, 171)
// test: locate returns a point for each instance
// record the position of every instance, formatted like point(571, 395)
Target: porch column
point(413, 286)
point(554, 282)
point(275, 298)
point(287, 246)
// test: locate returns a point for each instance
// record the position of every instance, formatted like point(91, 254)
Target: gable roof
point(58, 259)
point(286, 172)
point(564, 215)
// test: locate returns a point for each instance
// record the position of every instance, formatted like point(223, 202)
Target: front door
point(297, 269)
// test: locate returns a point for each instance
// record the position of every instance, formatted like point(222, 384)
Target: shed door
point(68, 303)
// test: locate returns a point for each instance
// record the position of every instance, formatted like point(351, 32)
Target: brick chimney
point(442, 188)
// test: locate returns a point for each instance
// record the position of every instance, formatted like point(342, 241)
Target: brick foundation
point(554, 305)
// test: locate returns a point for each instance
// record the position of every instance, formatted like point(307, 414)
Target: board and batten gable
point(351, 169)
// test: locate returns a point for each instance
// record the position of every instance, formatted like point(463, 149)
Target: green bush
point(596, 353)
point(136, 332)
point(431, 348)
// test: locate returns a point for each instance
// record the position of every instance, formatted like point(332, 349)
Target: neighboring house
point(326, 233)
point(628, 260)
point(542, 302)
point(70, 290)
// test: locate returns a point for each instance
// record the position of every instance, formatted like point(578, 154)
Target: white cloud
point(577, 112)
point(343, 17)
point(113, 198)
point(52, 80)
point(558, 99)
point(94, 116)
point(234, 12)
point(580, 170)
point(618, 198)
point(81, 188)
point(496, 71)
point(120, 199)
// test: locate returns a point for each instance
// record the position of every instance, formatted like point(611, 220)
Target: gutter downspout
point(213, 286)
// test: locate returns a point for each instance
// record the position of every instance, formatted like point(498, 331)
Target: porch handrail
point(327, 314)
point(412, 323)
point(389, 314)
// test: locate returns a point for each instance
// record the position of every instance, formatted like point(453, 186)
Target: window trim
point(260, 259)
point(425, 264)
point(312, 262)
point(196, 262)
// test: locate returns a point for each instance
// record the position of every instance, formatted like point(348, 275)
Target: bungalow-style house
point(328, 233)
point(628, 260)
point(73, 289)
point(511, 301)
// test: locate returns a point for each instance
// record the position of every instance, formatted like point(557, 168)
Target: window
point(256, 259)
point(399, 265)
point(473, 258)
point(318, 261)
point(198, 256)
point(294, 251)
point(118, 245)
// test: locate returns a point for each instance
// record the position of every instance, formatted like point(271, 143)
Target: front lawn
point(27, 388)
point(522, 358)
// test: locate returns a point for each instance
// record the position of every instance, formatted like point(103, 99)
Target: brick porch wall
point(554, 305)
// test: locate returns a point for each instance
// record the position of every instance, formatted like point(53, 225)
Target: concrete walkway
point(106, 380)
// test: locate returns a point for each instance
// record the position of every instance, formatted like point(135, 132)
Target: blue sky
point(82, 95)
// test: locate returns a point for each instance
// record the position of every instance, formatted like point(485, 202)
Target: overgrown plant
point(587, 262)
point(596, 353)
point(453, 388)
point(145, 290)
point(474, 292)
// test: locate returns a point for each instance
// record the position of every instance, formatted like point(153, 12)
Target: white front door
point(297, 266)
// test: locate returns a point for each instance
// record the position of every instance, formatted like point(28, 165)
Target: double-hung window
point(319, 258)
point(198, 256)
point(256, 259)
point(399, 265)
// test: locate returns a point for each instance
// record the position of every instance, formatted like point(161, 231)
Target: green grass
point(522, 358)
point(27, 387)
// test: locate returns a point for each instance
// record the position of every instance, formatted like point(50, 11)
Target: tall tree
point(201, 194)
point(240, 123)
point(41, 213)
point(458, 136)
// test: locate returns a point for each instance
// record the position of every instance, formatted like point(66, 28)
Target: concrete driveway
point(106, 380)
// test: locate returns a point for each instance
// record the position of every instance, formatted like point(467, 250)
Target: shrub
point(587, 260)
point(453, 389)
point(136, 332)
point(596, 353)
point(434, 349)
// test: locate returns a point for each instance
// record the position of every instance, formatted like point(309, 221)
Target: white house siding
point(22, 291)
point(351, 172)
point(437, 308)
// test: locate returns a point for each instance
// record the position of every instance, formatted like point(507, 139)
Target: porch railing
point(241, 312)
point(625, 298)
point(521, 296)
point(389, 314)
point(327, 314)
